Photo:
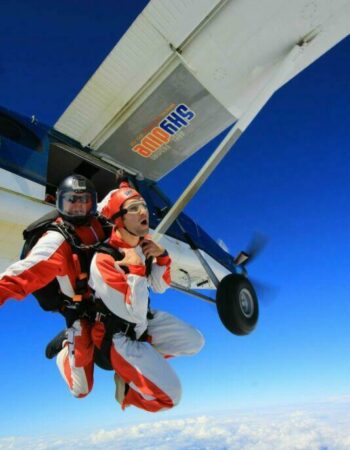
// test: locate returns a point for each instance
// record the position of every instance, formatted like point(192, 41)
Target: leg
point(75, 360)
point(171, 336)
point(153, 385)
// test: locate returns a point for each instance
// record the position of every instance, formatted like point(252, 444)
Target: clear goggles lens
point(137, 207)
point(77, 198)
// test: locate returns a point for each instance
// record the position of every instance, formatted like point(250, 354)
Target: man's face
point(136, 219)
point(75, 204)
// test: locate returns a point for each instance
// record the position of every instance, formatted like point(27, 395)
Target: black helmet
point(76, 199)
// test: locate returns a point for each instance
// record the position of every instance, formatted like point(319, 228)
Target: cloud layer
point(322, 427)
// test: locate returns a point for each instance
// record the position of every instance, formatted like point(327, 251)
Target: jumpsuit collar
point(117, 242)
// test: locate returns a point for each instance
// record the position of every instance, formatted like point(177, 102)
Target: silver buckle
point(99, 316)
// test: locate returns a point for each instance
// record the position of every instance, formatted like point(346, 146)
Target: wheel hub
point(246, 303)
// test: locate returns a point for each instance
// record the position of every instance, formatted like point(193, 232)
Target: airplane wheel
point(237, 304)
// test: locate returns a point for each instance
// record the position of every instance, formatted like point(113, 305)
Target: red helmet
point(114, 211)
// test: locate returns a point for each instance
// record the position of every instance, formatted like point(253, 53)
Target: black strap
point(72, 310)
point(106, 248)
point(118, 214)
point(106, 225)
point(114, 324)
point(83, 252)
point(149, 264)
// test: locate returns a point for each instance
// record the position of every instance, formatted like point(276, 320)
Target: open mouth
point(144, 222)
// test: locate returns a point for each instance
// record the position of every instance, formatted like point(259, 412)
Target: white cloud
point(321, 427)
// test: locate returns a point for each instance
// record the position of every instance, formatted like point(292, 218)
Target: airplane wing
point(185, 71)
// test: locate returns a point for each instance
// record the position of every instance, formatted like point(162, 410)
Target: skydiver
point(137, 339)
point(54, 267)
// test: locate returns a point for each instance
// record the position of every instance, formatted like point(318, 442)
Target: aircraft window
point(14, 130)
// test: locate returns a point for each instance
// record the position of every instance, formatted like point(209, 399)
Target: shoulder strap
point(117, 255)
point(106, 225)
point(82, 255)
point(68, 232)
point(106, 248)
point(149, 264)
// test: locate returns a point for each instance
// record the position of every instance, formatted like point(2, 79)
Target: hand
point(151, 249)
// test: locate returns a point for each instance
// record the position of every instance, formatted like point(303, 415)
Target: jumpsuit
point(52, 257)
point(152, 383)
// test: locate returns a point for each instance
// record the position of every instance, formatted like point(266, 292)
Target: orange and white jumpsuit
point(153, 385)
point(52, 257)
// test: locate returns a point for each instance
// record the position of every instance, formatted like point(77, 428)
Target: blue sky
point(287, 177)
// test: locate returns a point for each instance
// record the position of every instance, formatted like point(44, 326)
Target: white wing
point(185, 70)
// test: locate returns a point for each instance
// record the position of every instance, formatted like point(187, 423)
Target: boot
point(55, 345)
point(120, 388)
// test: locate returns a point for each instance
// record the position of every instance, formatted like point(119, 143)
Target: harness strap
point(116, 254)
point(73, 310)
point(113, 324)
point(80, 257)
point(149, 264)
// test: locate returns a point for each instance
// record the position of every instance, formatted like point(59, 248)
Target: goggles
point(77, 198)
point(135, 208)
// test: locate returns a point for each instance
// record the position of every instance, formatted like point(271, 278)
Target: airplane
point(181, 74)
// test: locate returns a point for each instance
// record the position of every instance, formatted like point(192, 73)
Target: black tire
point(237, 304)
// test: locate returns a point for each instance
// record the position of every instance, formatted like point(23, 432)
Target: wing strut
point(282, 69)
point(192, 292)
